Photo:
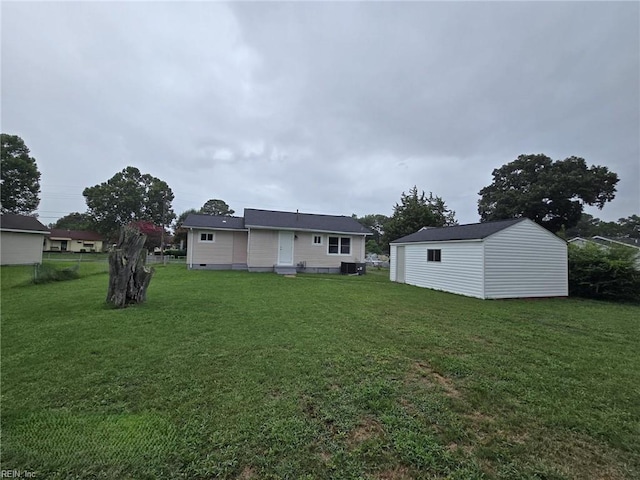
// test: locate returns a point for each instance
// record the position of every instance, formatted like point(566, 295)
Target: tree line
point(551, 193)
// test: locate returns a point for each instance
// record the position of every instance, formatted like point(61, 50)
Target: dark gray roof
point(303, 221)
point(213, 222)
point(471, 231)
point(11, 221)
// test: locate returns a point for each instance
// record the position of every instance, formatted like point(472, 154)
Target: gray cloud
point(325, 107)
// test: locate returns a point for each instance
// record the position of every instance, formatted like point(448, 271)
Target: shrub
point(176, 253)
point(607, 273)
point(47, 273)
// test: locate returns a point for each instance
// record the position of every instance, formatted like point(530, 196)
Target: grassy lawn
point(238, 375)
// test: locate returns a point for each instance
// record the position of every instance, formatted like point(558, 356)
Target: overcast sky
point(331, 108)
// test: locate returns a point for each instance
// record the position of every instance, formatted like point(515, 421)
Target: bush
point(47, 273)
point(176, 253)
point(604, 273)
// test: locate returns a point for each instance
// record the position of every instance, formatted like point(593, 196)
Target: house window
point(339, 245)
point(317, 239)
point(207, 237)
point(434, 255)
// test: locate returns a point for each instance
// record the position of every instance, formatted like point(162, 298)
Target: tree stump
point(128, 275)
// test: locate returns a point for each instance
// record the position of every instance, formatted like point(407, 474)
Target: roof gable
point(214, 222)
point(303, 221)
point(471, 231)
point(12, 221)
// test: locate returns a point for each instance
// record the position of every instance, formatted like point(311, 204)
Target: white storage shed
point(506, 259)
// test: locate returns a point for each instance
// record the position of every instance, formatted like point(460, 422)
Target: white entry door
point(285, 248)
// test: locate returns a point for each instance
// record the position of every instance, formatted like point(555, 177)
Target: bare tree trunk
point(128, 275)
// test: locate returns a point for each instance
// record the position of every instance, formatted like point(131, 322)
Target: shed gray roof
point(12, 221)
point(303, 221)
point(471, 231)
point(194, 220)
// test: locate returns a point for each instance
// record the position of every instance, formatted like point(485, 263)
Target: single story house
point(505, 259)
point(606, 242)
point(273, 241)
point(77, 241)
point(21, 239)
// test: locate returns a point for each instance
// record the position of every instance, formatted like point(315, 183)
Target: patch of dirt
point(367, 429)
point(397, 473)
point(429, 376)
point(247, 473)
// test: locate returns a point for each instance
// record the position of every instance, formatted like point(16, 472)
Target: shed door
point(285, 248)
point(400, 264)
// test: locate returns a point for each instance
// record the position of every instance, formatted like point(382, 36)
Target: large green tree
point(376, 223)
point(415, 211)
point(19, 177)
point(129, 196)
point(180, 233)
point(75, 221)
point(550, 193)
point(216, 206)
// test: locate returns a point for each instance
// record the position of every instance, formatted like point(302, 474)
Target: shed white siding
point(393, 258)
point(20, 248)
point(525, 260)
point(459, 271)
point(518, 260)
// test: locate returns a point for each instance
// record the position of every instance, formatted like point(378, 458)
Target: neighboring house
point(268, 241)
point(607, 242)
point(505, 259)
point(77, 241)
point(21, 239)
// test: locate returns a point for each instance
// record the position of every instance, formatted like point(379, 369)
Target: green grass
point(238, 375)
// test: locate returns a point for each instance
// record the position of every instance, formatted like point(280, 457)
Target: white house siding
point(318, 255)
point(20, 248)
point(525, 260)
point(460, 270)
point(217, 254)
point(263, 249)
point(240, 248)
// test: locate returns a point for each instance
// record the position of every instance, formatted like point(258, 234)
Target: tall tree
point(216, 207)
point(180, 234)
point(19, 177)
point(127, 197)
point(416, 211)
point(75, 221)
point(630, 226)
point(550, 193)
point(376, 223)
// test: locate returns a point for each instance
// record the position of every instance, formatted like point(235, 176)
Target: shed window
point(207, 237)
point(340, 245)
point(434, 255)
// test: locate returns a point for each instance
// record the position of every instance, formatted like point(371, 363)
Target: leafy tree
point(216, 207)
point(608, 273)
point(19, 177)
point(127, 197)
point(589, 226)
point(75, 221)
point(416, 211)
point(180, 234)
point(375, 223)
point(630, 226)
point(373, 247)
point(153, 232)
point(550, 193)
